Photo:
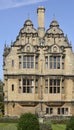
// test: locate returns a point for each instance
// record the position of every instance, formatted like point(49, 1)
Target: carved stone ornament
point(28, 48)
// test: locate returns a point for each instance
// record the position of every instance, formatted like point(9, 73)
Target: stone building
point(39, 71)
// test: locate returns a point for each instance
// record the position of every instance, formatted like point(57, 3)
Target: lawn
point(59, 127)
point(8, 126)
point(13, 126)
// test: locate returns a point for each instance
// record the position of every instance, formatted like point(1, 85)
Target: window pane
point(24, 65)
point(32, 64)
point(47, 110)
point(50, 58)
point(32, 58)
point(62, 110)
point(46, 59)
point(58, 82)
point(28, 90)
point(58, 65)
point(54, 89)
point(50, 89)
point(28, 58)
point(58, 58)
point(54, 65)
point(36, 82)
point(28, 82)
point(51, 82)
point(58, 89)
point(55, 82)
point(51, 65)
point(24, 58)
point(51, 110)
point(28, 64)
point(24, 82)
point(54, 59)
point(66, 111)
point(59, 111)
point(24, 89)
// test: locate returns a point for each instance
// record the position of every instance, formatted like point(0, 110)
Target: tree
point(28, 121)
point(70, 124)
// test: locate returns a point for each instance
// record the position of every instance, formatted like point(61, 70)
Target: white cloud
point(17, 3)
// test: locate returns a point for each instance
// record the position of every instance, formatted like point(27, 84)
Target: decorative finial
point(5, 45)
point(67, 38)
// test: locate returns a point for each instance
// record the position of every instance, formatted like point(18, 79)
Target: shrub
point(70, 124)
point(46, 125)
point(28, 121)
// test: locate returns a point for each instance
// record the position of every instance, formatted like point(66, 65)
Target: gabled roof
point(54, 28)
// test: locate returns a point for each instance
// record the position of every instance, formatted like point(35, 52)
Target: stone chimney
point(41, 29)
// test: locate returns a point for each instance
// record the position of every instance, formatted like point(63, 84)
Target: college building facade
point(39, 71)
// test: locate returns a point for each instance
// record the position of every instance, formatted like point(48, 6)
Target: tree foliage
point(28, 121)
point(70, 124)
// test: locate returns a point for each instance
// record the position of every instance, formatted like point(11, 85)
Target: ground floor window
point(57, 111)
point(62, 111)
point(49, 110)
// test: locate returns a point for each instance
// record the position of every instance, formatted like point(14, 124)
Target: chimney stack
point(41, 29)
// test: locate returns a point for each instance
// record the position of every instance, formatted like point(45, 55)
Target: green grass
point(13, 126)
point(8, 126)
point(58, 127)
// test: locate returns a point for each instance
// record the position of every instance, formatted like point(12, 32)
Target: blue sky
point(13, 14)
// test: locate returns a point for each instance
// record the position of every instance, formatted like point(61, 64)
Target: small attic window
point(12, 63)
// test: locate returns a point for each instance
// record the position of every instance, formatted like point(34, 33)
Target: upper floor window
point(54, 62)
point(54, 86)
point(36, 62)
point(28, 61)
point(36, 86)
point(28, 86)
